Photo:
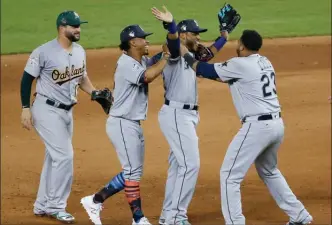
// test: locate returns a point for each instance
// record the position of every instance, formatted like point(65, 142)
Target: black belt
point(267, 117)
point(263, 117)
point(185, 106)
point(59, 105)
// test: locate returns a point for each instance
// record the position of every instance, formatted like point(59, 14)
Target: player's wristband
point(189, 59)
point(172, 27)
point(219, 43)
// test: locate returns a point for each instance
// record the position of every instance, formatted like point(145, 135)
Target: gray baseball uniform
point(252, 84)
point(178, 120)
point(58, 75)
point(129, 107)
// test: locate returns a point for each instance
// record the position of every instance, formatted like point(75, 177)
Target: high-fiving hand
point(165, 16)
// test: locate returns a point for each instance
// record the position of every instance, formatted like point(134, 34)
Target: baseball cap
point(132, 31)
point(70, 18)
point(190, 25)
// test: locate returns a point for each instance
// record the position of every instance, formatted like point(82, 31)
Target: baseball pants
point(256, 142)
point(55, 127)
point(179, 129)
point(128, 141)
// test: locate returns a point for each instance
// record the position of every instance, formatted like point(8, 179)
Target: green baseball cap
point(70, 18)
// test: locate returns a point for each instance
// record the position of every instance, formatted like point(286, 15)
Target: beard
point(72, 37)
point(191, 45)
point(238, 52)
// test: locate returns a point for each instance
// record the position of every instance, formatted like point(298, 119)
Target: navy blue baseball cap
point(190, 25)
point(132, 31)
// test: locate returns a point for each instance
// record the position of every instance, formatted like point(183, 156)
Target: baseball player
point(133, 73)
point(252, 82)
point(179, 117)
point(60, 68)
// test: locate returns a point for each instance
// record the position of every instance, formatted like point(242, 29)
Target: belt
point(59, 105)
point(269, 116)
point(183, 106)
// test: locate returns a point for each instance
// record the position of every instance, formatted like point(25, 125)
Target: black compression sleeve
point(26, 84)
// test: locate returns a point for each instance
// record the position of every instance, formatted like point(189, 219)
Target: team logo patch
point(33, 60)
point(224, 64)
point(184, 27)
point(76, 15)
point(132, 34)
point(136, 67)
point(68, 74)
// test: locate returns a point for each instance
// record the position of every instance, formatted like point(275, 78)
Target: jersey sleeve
point(134, 72)
point(228, 70)
point(35, 62)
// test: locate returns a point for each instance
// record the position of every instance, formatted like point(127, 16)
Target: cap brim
point(200, 30)
point(147, 34)
point(143, 35)
point(76, 24)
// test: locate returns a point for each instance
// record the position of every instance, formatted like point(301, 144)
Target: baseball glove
point(104, 98)
point(203, 53)
point(228, 18)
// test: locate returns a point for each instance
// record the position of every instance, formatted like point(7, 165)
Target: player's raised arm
point(173, 41)
point(228, 19)
point(168, 22)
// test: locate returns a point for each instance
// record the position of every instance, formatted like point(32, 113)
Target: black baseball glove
point(104, 98)
point(228, 18)
point(203, 54)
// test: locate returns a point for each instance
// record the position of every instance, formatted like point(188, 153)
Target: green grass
point(29, 23)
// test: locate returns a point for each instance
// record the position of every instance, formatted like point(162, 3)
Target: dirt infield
point(303, 67)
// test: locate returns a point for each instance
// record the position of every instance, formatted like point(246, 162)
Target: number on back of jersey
point(269, 88)
point(268, 77)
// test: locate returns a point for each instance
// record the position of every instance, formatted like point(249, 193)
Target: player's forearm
point(26, 84)
point(174, 47)
point(154, 71)
point(173, 41)
point(86, 85)
point(172, 30)
point(218, 45)
point(154, 59)
point(203, 69)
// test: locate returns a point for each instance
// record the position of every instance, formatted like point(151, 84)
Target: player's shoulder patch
point(33, 60)
point(136, 67)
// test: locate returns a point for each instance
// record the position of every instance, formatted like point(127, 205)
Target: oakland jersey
point(58, 72)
